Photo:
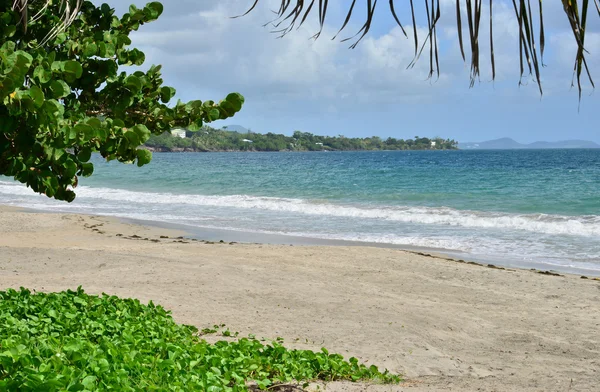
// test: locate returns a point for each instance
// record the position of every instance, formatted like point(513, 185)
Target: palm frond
point(69, 10)
point(293, 13)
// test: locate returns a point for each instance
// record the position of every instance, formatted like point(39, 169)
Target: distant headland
point(506, 143)
point(242, 139)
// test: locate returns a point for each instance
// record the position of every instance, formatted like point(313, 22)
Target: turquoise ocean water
point(534, 208)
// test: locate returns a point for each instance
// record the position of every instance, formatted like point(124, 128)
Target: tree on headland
point(62, 97)
point(211, 139)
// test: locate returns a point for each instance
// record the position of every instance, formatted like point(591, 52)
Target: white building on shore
point(178, 133)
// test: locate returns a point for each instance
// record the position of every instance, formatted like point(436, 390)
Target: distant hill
point(507, 143)
point(212, 139)
point(236, 128)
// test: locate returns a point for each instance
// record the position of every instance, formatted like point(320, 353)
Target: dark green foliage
point(71, 341)
point(210, 139)
point(63, 99)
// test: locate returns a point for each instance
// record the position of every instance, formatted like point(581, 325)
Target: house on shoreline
point(178, 132)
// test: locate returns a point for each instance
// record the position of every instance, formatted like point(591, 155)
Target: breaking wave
point(587, 225)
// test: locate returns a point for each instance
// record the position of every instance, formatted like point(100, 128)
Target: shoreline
point(258, 238)
point(189, 149)
point(443, 324)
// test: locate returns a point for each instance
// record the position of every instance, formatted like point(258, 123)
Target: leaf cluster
point(64, 99)
point(71, 341)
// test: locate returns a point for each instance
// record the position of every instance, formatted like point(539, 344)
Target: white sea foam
point(442, 243)
point(587, 226)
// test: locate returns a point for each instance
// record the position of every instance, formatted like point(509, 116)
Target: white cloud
point(206, 54)
point(209, 51)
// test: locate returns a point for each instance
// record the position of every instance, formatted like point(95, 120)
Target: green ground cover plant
point(72, 341)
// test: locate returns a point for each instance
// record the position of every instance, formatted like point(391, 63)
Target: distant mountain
point(236, 128)
point(507, 143)
point(565, 144)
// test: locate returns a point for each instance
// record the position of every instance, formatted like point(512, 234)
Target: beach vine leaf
point(72, 341)
point(64, 98)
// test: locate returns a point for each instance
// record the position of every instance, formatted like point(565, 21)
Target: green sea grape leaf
point(153, 10)
point(84, 155)
point(42, 75)
point(90, 49)
point(214, 114)
point(73, 67)
point(52, 108)
point(87, 169)
point(70, 169)
point(236, 100)
point(142, 132)
point(166, 93)
point(133, 82)
point(94, 122)
point(133, 138)
point(37, 96)
point(84, 130)
point(143, 156)
point(59, 88)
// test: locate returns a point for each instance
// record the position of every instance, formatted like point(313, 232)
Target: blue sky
point(323, 87)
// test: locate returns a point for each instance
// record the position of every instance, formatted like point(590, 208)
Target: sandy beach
point(443, 324)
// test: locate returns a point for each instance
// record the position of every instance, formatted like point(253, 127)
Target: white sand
point(444, 325)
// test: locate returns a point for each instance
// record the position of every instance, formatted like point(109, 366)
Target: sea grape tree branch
point(63, 98)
